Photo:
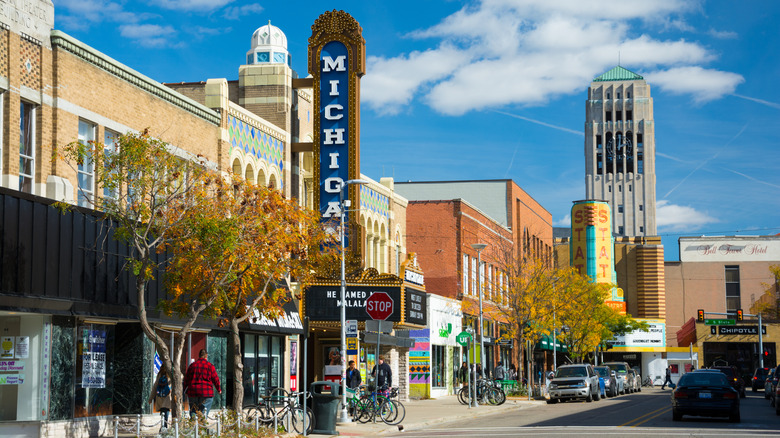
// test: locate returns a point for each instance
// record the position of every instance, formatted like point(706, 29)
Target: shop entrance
point(743, 355)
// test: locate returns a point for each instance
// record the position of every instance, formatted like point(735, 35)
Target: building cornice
point(71, 45)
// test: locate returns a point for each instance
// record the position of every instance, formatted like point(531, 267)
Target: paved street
point(642, 414)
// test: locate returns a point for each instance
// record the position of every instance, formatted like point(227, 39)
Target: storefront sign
point(737, 330)
point(416, 308)
point(655, 336)
point(323, 302)
point(93, 357)
point(31, 17)
point(22, 347)
point(45, 369)
point(7, 347)
point(729, 249)
point(11, 379)
point(289, 322)
point(11, 366)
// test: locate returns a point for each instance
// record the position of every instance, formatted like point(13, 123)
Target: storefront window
point(262, 365)
point(438, 366)
point(94, 370)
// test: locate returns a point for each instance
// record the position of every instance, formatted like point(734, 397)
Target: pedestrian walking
point(668, 378)
point(199, 383)
point(353, 376)
point(463, 374)
point(161, 394)
point(512, 372)
point(499, 373)
point(383, 375)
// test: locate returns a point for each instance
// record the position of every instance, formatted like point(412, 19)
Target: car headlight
point(581, 384)
point(553, 386)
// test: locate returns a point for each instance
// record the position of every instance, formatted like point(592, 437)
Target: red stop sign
point(379, 305)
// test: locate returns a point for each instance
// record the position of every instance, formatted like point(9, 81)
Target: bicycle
point(487, 391)
point(647, 382)
point(380, 403)
point(284, 408)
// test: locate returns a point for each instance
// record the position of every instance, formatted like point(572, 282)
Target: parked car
point(610, 380)
point(773, 383)
point(621, 371)
point(571, 382)
point(733, 375)
point(771, 379)
point(705, 393)
point(759, 377)
point(637, 379)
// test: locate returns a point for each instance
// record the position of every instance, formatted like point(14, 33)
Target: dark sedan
point(733, 375)
point(610, 381)
point(705, 393)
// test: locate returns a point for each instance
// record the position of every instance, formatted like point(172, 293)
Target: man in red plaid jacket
point(199, 384)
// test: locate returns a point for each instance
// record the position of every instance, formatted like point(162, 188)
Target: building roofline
point(104, 62)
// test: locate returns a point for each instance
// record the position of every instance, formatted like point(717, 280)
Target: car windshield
point(603, 372)
point(618, 368)
point(571, 372)
point(703, 379)
point(727, 371)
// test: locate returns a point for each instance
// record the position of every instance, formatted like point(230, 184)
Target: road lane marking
point(643, 416)
point(654, 416)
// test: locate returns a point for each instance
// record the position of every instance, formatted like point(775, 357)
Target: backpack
point(163, 388)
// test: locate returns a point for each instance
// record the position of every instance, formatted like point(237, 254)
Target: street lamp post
point(479, 247)
point(344, 205)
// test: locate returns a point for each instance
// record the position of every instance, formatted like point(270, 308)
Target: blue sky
point(496, 89)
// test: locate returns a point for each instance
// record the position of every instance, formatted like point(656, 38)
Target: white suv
point(573, 382)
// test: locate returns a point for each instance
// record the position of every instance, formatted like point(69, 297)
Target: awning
point(546, 343)
point(289, 323)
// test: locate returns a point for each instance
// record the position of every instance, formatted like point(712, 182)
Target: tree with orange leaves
point(146, 191)
point(242, 250)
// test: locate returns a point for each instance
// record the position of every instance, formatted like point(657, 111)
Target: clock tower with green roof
point(620, 150)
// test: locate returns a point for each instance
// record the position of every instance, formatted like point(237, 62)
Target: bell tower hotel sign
point(34, 18)
point(730, 249)
point(337, 59)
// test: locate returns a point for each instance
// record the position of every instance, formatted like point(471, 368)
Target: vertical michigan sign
point(336, 62)
point(592, 246)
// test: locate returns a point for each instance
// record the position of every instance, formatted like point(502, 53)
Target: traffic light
point(700, 318)
point(739, 314)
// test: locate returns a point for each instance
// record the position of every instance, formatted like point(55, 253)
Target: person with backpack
point(161, 394)
point(499, 372)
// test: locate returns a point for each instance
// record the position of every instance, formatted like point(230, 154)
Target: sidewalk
point(422, 413)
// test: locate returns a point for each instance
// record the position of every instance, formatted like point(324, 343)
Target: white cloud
point(703, 84)
point(148, 35)
point(563, 222)
point(236, 12)
point(673, 217)
point(504, 52)
point(723, 34)
point(81, 14)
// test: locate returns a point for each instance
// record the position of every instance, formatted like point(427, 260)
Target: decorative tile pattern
point(256, 143)
point(4, 52)
point(420, 360)
point(30, 64)
point(374, 202)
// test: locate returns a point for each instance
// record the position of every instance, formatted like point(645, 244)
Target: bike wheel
point(297, 419)
point(279, 397)
point(498, 396)
point(262, 412)
point(364, 410)
point(392, 412)
point(463, 395)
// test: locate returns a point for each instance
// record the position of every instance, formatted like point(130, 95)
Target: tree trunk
point(238, 368)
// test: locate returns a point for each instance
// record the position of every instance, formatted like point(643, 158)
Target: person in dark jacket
point(199, 383)
point(463, 374)
point(353, 376)
point(383, 374)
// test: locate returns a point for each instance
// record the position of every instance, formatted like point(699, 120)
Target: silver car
point(572, 382)
point(621, 370)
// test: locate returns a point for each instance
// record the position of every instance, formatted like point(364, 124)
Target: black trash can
point(326, 397)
